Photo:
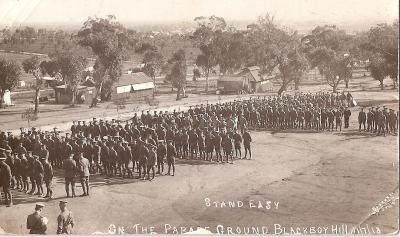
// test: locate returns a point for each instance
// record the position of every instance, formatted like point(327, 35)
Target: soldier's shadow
point(23, 198)
point(355, 134)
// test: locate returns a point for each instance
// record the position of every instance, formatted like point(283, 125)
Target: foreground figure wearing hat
point(36, 223)
point(65, 219)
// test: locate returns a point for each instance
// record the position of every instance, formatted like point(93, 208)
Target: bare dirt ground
point(324, 182)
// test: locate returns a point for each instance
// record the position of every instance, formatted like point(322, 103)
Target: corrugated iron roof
point(252, 68)
point(231, 78)
point(134, 78)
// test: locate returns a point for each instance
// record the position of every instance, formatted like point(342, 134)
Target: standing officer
point(84, 167)
point(347, 114)
point(161, 153)
point(36, 223)
point(70, 169)
point(5, 180)
point(361, 119)
point(246, 142)
point(38, 172)
point(48, 177)
point(151, 161)
point(171, 153)
point(370, 120)
point(65, 220)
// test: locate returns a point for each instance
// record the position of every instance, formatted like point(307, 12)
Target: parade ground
point(297, 182)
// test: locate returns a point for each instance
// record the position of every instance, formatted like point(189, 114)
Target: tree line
point(223, 48)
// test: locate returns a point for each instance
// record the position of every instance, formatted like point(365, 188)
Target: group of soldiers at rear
point(212, 132)
point(379, 120)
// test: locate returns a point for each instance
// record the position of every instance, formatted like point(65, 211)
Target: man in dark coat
point(48, 177)
point(362, 117)
point(70, 170)
point(5, 180)
point(38, 171)
point(36, 223)
point(171, 154)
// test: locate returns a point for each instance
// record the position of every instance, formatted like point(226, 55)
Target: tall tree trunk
point(1, 99)
point(73, 98)
point(207, 73)
point(347, 83)
point(154, 82)
point(283, 87)
point(37, 96)
point(296, 83)
point(381, 84)
point(178, 92)
point(98, 92)
point(334, 87)
point(183, 92)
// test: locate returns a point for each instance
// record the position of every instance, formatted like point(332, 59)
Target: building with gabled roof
point(247, 80)
point(134, 85)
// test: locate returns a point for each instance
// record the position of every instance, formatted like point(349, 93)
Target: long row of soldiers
point(148, 140)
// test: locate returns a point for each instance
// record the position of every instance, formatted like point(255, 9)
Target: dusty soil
point(324, 182)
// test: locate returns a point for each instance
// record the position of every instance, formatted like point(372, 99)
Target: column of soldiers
point(19, 166)
point(143, 144)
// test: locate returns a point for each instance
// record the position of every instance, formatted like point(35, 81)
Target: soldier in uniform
point(376, 118)
point(127, 159)
point(65, 220)
point(381, 123)
point(347, 114)
point(70, 169)
point(217, 142)
point(24, 173)
point(38, 171)
point(5, 180)
point(84, 168)
point(338, 117)
point(392, 122)
point(36, 223)
point(370, 120)
point(143, 154)
point(171, 153)
point(246, 142)
point(361, 119)
point(30, 172)
point(161, 153)
point(48, 177)
point(237, 138)
point(151, 161)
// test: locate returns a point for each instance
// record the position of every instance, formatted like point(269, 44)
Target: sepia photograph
point(199, 117)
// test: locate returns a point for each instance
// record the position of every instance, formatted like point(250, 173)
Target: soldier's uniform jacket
point(246, 139)
point(361, 116)
point(37, 168)
point(84, 167)
point(171, 152)
point(127, 155)
point(35, 224)
point(347, 113)
point(151, 160)
point(65, 223)
point(69, 168)
point(370, 116)
point(48, 171)
point(5, 174)
point(161, 152)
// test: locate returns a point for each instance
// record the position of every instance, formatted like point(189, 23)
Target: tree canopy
point(10, 72)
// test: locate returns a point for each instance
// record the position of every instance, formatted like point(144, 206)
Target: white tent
point(7, 98)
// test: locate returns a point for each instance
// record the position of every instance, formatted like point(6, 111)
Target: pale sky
point(15, 12)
